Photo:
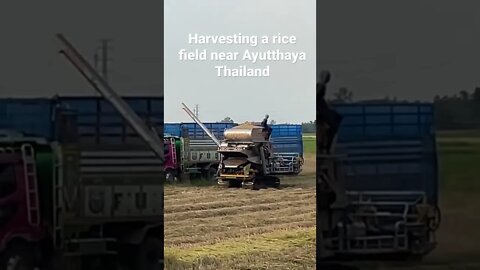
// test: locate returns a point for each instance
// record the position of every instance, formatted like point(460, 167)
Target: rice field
point(213, 228)
point(208, 227)
point(459, 234)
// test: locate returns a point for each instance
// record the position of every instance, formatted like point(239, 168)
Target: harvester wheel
point(256, 185)
point(234, 184)
point(272, 181)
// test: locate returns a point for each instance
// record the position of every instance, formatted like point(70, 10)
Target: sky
point(31, 67)
point(412, 49)
point(287, 95)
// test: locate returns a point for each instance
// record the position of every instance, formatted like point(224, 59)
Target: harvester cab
point(247, 158)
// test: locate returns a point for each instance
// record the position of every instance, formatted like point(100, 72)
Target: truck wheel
point(170, 176)
point(18, 257)
point(149, 255)
point(210, 174)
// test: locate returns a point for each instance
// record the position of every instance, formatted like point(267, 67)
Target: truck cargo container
point(97, 119)
point(391, 177)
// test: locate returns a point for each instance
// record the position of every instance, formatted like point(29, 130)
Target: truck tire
point(210, 174)
point(149, 255)
point(18, 257)
point(170, 176)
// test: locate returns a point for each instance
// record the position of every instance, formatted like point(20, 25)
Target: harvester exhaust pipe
point(79, 62)
point(195, 118)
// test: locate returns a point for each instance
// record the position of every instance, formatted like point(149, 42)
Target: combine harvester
point(246, 155)
point(382, 195)
point(74, 196)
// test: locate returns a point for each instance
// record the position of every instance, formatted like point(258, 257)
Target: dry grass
point(459, 234)
point(218, 228)
point(211, 228)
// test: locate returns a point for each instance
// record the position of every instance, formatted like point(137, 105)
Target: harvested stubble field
point(459, 234)
point(272, 231)
point(209, 227)
point(225, 228)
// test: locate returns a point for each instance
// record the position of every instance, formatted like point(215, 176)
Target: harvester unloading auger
point(246, 159)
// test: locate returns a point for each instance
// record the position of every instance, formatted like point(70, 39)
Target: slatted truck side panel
point(391, 179)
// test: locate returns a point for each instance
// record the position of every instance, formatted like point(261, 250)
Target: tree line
point(457, 111)
point(451, 112)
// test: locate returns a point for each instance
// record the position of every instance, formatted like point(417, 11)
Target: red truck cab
point(20, 222)
point(172, 159)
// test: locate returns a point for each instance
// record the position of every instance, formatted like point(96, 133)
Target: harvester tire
point(234, 184)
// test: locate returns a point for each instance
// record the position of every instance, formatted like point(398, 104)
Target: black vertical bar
point(148, 116)
point(364, 127)
point(124, 130)
point(162, 25)
point(98, 119)
point(419, 122)
point(105, 59)
point(392, 120)
point(317, 188)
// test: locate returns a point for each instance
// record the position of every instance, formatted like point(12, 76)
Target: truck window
point(7, 180)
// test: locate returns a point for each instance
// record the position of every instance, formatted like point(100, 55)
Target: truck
point(173, 158)
point(81, 180)
point(102, 203)
point(386, 160)
point(197, 152)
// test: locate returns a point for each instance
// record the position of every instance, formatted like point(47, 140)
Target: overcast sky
point(411, 49)
point(287, 95)
point(30, 65)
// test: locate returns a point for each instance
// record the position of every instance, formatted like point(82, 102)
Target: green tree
point(343, 95)
point(464, 95)
point(227, 120)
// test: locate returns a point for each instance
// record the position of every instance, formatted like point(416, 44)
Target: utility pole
point(196, 110)
point(95, 60)
point(104, 48)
